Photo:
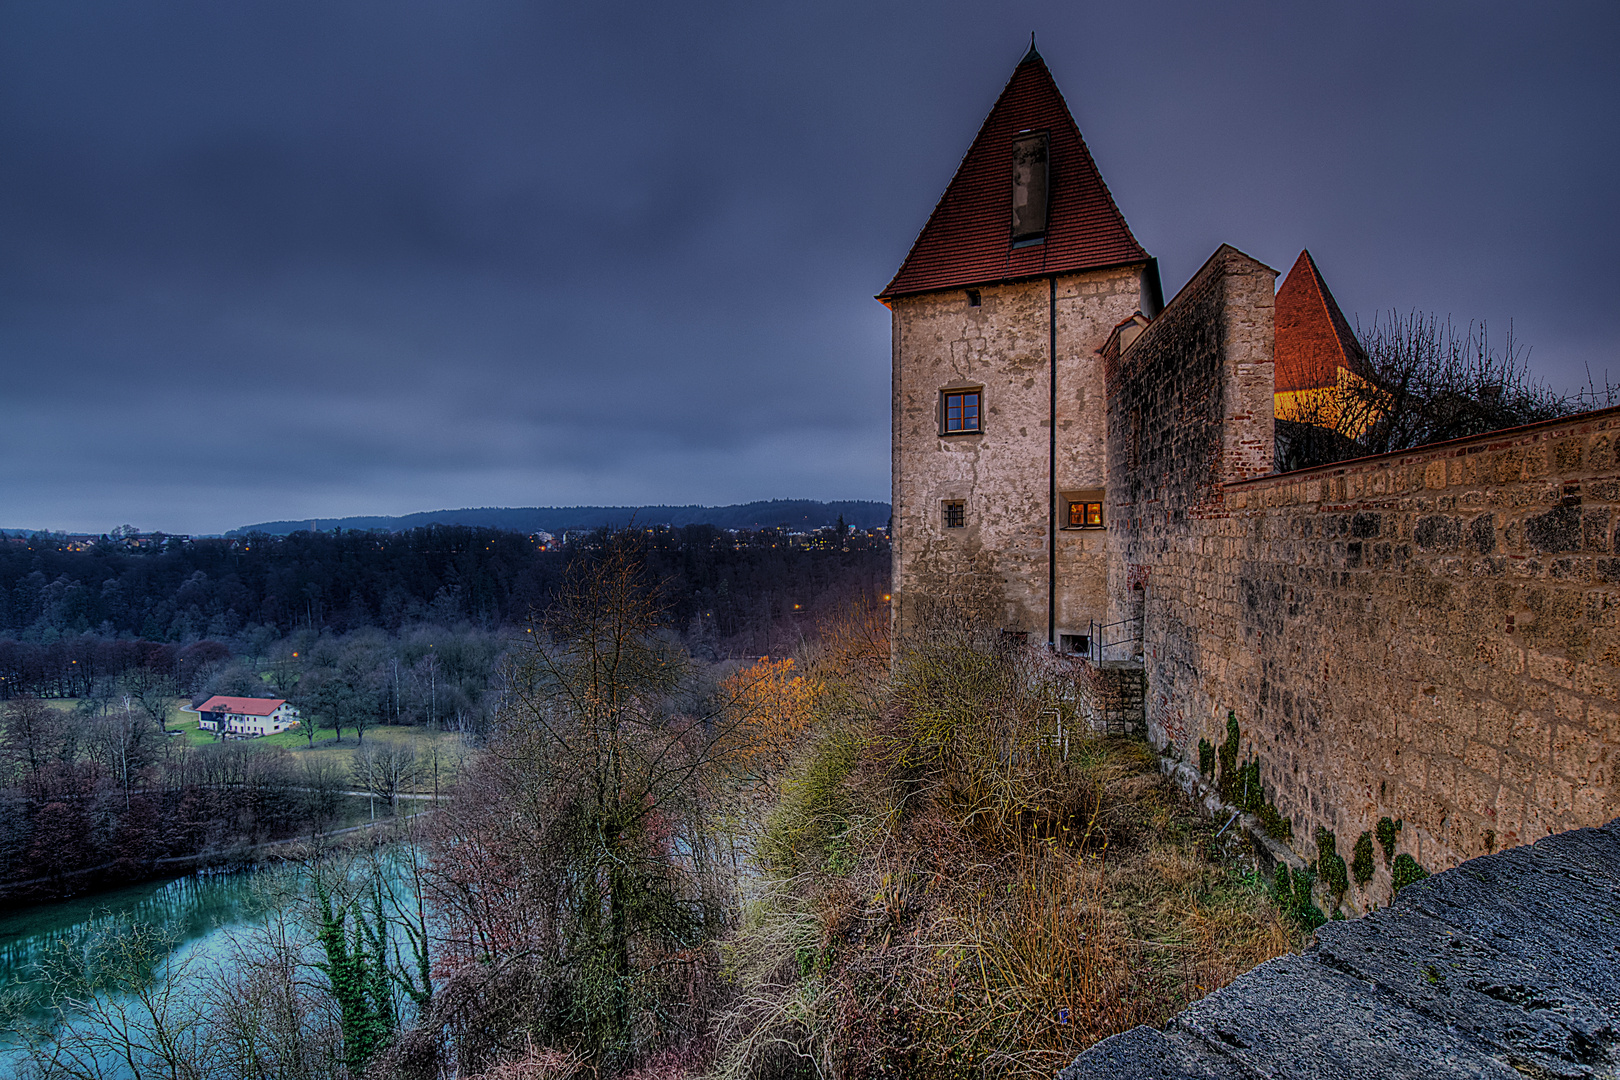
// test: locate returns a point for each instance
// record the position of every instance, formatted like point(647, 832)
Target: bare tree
point(152, 692)
point(385, 769)
point(1429, 381)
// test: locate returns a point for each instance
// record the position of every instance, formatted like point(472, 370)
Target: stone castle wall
point(940, 341)
point(1429, 636)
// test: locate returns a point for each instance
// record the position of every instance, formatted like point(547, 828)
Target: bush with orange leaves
point(774, 706)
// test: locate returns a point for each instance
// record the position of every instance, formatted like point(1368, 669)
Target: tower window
point(960, 412)
point(1085, 515)
point(955, 514)
point(1029, 186)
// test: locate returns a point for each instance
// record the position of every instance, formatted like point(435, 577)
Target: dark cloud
point(282, 260)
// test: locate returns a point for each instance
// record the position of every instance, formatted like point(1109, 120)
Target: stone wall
point(1427, 636)
point(1003, 344)
point(1508, 967)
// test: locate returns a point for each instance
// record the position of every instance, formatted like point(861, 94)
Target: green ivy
point(1361, 860)
point(1228, 754)
point(1206, 759)
point(1406, 871)
point(1387, 830)
point(1277, 827)
point(1292, 893)
point(1331, 865)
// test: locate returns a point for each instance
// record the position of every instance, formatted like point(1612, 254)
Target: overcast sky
point(283, 260)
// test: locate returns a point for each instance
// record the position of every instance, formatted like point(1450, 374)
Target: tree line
point(70, 618)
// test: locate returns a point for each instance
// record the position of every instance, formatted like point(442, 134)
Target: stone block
point(1511, 1001)
point(1293, 1016)
point(1145, 1052)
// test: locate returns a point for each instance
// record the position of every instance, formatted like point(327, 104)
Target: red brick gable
point(1313, 338)
point(968, 238)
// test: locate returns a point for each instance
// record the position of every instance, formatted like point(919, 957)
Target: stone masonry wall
point(941, 341)
point(1428, 636)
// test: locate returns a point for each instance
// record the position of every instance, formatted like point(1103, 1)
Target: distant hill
point(793, 514)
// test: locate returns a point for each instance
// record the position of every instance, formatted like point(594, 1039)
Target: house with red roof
point(247, 718)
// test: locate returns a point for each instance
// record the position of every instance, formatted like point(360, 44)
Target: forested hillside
point(70, 616)
point(795, 514)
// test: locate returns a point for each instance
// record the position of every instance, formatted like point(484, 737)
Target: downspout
point(1051, 472)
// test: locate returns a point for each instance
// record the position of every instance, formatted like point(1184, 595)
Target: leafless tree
point(1429, 381)
point(385, 769)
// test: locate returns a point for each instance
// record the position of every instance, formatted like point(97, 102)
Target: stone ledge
point(1505, 966)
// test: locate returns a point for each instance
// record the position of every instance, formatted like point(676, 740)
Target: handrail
point(1097, 648)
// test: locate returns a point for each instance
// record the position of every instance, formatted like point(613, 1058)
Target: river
point(194, 918)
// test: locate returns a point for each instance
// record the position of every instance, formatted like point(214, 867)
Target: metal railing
point(1123, 637)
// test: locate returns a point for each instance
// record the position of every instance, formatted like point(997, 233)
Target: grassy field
point(449, 748)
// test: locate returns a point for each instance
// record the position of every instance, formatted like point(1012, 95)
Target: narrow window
point(955, 514)
point(1085, 515)
point(1029, 176)
point(960, 412)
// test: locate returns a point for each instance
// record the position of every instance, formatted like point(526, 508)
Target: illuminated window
point(955, 514)
point(1085, 515)
point(960, 412)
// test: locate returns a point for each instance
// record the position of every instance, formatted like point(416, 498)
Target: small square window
point(973, 298)
point(955, 514)
point(1085, 515)
point(1076, 644)
point(960, 412)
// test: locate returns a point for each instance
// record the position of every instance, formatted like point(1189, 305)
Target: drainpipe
point(1052, 497)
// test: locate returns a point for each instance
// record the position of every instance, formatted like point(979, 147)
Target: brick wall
point(1429, 636)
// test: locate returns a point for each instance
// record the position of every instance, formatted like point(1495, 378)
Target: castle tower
point(1022, 273)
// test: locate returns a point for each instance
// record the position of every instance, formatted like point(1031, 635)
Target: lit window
point(1085, 515)
point(955, 514)
point(961, 412)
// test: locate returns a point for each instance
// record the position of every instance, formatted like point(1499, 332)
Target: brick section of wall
point(1428, 636)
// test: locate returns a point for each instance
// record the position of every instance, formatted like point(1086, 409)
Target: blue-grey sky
point(308, 259)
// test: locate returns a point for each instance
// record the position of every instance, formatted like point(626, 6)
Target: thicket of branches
point(1429, 381)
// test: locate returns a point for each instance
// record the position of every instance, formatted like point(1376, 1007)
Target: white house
point(245, 716)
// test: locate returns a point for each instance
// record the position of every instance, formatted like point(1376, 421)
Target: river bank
point(90, 882)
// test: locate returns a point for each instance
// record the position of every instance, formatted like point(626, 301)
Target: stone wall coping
point(1522, 435)
point(1505, 966)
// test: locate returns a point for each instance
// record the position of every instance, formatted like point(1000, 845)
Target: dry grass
point(969, 903)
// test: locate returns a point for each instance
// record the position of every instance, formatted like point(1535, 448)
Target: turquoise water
point(191, 914)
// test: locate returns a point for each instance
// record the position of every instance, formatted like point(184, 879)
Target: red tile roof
point(1313, 339)
point(243, 706)
point(967, 240)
